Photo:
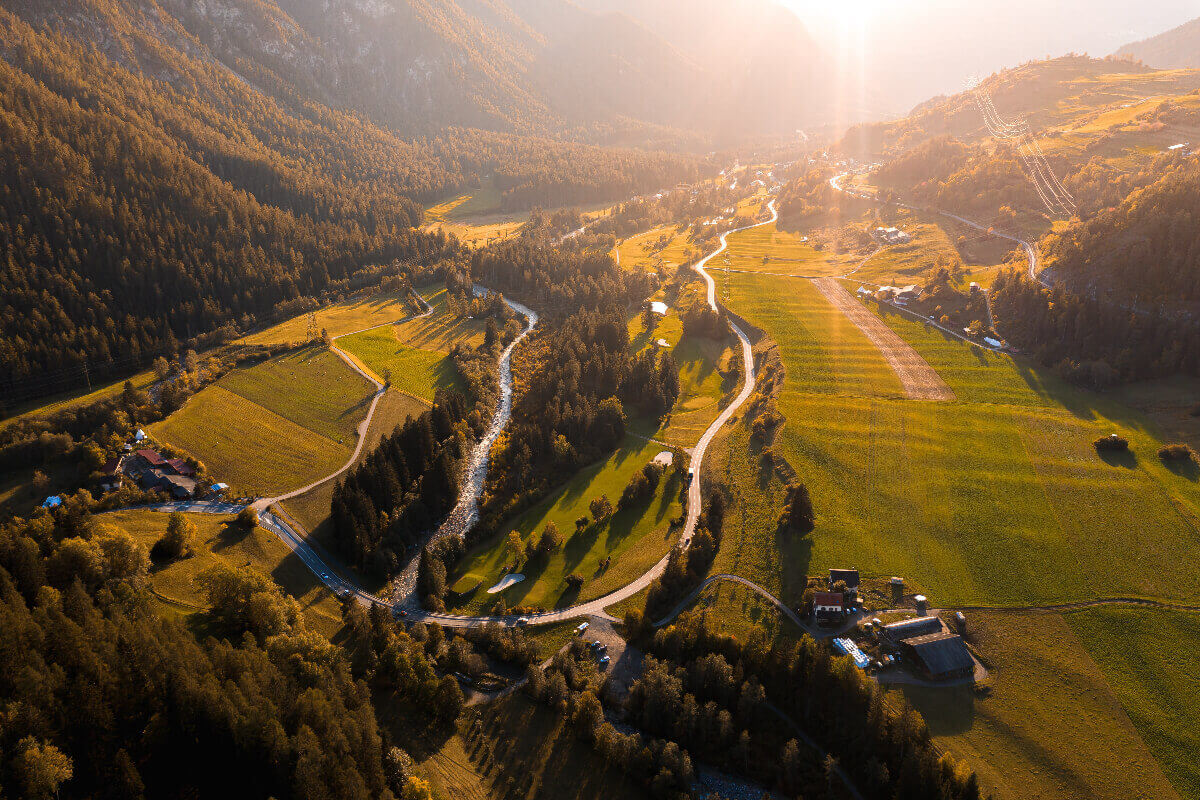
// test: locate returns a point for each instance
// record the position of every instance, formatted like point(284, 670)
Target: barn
point(939, 656)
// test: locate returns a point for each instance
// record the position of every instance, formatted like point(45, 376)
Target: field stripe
point(919, 380)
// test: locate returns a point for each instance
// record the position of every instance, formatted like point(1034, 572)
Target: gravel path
point(920, 381)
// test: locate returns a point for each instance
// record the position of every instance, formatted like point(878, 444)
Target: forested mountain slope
point(1178, 47)
point(151, 193)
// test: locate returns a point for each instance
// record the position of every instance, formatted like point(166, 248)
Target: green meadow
point(634, 538)
point(1146, 656)
point(996, 498)
point(220, 541)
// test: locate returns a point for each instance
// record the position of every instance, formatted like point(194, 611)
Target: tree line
point(1090, 341)
point(402, 489)
point(109, 699)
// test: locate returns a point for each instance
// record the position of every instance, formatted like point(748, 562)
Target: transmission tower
point(314, 332)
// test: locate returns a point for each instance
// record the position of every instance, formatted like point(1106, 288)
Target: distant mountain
point(541, 66)
point(1175, 49)
point(156, 187)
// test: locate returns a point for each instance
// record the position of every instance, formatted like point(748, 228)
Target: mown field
point(1146, 656)
point(997, 498)
point(219, 541)
point(311, 510)
point(273, 426)
point(1050, 726)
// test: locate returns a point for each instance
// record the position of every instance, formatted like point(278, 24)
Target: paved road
point(266, 502)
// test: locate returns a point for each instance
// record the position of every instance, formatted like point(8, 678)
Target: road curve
point(266, 502)
point(596, 607)
point(406, 589)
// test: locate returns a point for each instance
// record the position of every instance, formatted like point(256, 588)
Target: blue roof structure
point(848, 648)
point(53, 501)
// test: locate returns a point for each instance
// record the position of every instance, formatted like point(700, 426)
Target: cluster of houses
point(900, 295)
point(892, 236)
point(935, 652)
point(152, 471)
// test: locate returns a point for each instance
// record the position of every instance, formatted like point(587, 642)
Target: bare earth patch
point(919, 380)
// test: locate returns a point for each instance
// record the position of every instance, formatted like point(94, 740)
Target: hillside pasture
point(338, 319)
point(1050, 726)
point(635, 538)
point(997, 498)
point(1146, 658)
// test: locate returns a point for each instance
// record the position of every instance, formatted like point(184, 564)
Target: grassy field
point(1146, 656)
point(83, 397)
point(667, 246)
point(219, 541)
point(273, 426)
point(998, 498)
point(1050, 727)
point(338, 319)
point(413, 354)
point(634, 538)
point(767, 249)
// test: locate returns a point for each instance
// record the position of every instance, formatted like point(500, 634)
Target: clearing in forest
point(219, 540)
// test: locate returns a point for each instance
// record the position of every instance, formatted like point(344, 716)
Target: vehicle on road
point(522, 622)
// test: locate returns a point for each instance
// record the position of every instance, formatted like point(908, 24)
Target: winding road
point(466, 510)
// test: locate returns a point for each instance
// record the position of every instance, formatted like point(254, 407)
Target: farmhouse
point(893, 235)
point(828, 606)
point(173, 476)
point(940, 656)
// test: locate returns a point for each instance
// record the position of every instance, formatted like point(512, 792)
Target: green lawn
point(784, 252)
point(77, 399)
point(1050, 727)
point(997, 498)
point(635, 538)
point(1148, 658)
point(273, 426)
point(220, 541)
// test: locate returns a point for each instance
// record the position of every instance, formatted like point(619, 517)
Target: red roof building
point(151, 457)
point(181, 467)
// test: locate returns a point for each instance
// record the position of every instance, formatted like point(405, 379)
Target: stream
point(466, 511)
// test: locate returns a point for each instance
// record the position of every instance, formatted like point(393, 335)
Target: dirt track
point(919, 380)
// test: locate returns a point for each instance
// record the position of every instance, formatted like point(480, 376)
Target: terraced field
point(273, 426)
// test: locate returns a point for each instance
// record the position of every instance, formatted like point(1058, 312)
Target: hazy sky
point(913, 49)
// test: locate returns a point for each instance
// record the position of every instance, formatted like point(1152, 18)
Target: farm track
point(920, 381)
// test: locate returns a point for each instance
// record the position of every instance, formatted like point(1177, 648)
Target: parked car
point(522, 622)
point(604, 662)
point(583, 626)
